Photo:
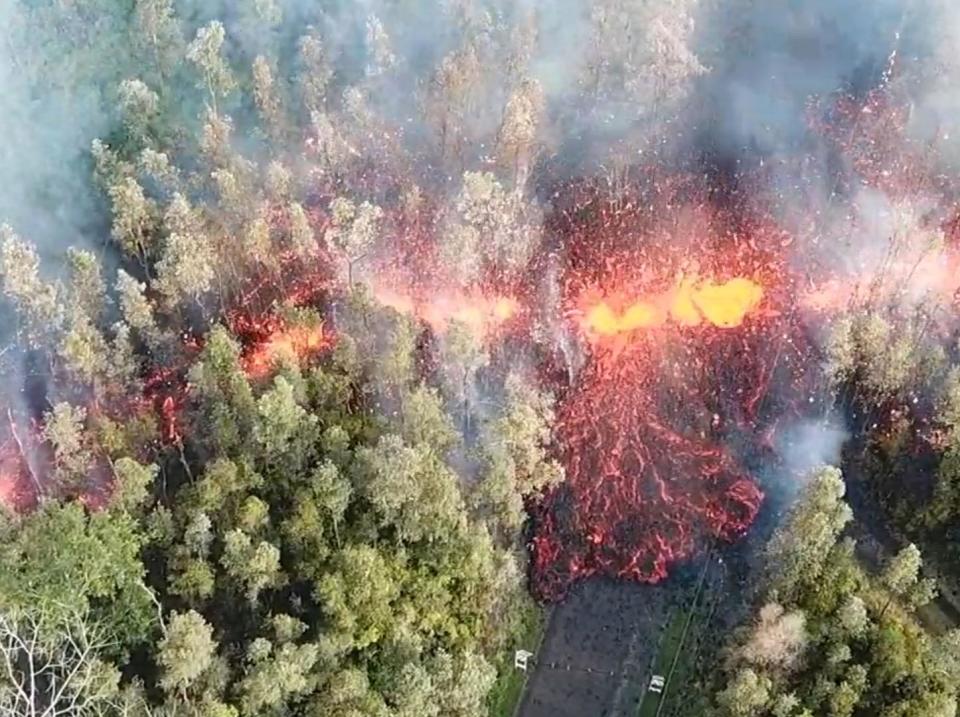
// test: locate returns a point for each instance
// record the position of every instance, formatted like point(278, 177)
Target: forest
point(340, 340)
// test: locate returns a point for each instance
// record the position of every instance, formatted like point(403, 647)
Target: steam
point(806, 445)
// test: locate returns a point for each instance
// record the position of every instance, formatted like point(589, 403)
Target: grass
point(669, 644)
point(505, 694)
point(677, 654)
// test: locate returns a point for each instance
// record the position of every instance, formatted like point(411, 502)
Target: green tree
point(62, 562)
point(745, 696)
point(254, 567)
point(185, 652)
point(88, 292)
point(409, 488)
point(901, 576)
point(276, 676)
point(37, 302)
point(798, 550)
point(359, 594)
point(206, 53)
point(63, 429)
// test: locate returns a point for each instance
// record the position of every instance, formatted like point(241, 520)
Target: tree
point(254, 567)
point(227, 406)
point(353, 230)
point(901, 576)
point(846, 697)
point(779, 638)
point(185, 652)
point(84, 350)
point(285, 431)
point(450, 96)
point(799, 548)
point(462, 355)
point(63, 429)
point(331, 492)
point(96, 556)
point(409, 488)
point(518, 131)
point(88, 292)
point(156, 29)
point(266, 98)
point(348, 694)
point(746, 695)
point(275, 676)
point(462, 683)
point(380, 56)
point(134, 219)
point(139, 106)
point(359, 594)
point(424, 422)
point(507, 240)
point(205, 52)
point(52, 668)
point(186, 269)
point(301, 233)
point(37, 303)
point(137, 310)
point(852, 618)
point(133, 483)
point(315, 71)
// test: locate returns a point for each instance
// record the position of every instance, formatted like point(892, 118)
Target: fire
point(482, 314)
point(296, 342)
point(724, 305)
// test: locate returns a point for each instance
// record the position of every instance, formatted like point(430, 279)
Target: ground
point(607, 639)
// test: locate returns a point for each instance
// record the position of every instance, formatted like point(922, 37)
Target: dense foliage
point(227, 522)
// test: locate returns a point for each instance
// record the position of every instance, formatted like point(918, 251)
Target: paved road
point(598, 649)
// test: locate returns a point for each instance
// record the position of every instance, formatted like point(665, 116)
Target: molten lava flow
point(644, 432)
point(297, 342)
point(480, 313)
point(639, 494)
point(17, 493)
point(724, 305)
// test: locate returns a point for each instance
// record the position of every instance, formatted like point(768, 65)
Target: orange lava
point(297, 342)
point(17, 492)
point(724, 305)
point(479, 312)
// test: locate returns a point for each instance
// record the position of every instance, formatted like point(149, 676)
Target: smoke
point(760, 62)
point(769, 59)
point(56, 70)
point(806, 445)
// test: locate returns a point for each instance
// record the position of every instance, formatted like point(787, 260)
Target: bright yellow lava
point(726, 305)
point(689, 304)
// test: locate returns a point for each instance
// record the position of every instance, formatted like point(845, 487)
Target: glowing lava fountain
point(677, 370)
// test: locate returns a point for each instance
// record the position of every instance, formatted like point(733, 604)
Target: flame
point(479, 312)
point(297, 342)
point(724, 305)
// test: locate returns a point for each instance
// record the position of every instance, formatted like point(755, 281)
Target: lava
point(724, 305)
point(681, 364)
point(298, 342)
point(480, 313)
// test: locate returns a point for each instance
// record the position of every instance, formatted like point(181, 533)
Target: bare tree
point(50, 670)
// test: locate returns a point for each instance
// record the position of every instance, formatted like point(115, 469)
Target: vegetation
point(239, 479)
point(831, 639)
point(240, 509)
